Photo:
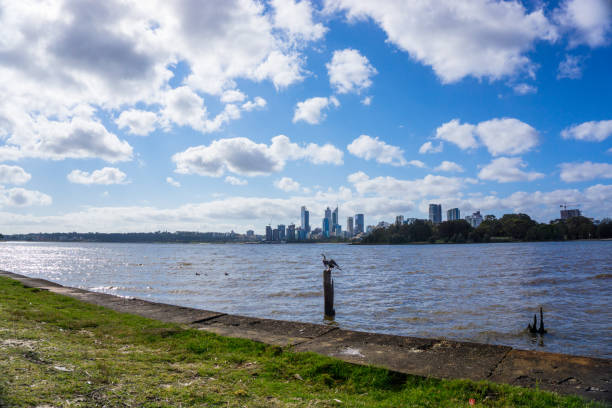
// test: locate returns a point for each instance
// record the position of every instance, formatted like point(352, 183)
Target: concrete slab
point(588, 377)
point(411, 355)
point(276, 332)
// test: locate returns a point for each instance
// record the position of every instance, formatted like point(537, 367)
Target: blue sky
point(212, 116)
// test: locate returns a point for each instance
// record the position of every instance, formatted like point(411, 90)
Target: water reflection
point(483, 293)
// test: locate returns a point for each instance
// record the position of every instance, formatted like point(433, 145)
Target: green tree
point(517, 225)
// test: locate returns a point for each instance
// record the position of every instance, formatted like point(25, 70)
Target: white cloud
point(235, 181)
point(587, 21)
point(13, 175)
point(185, 108)
point(245, 157)
point(572, 172)
point(172, 182)
point(311, 110)
point(524, 89)
point(257, 103)
point(106, 176)
point(417, 163)
point(295, 17)
point(455, 132)
point(349, 71)
point(449, 166)
point(430, 185)
point(570, 67)
point(428, 147)
point(20, 197)
point(138, 122)
point(507, 169)
point(367, 101)
point(287, 184)
point(507, 136)
point(232, 96)
point(459, 38)
point(594, 131)
point(369, 148)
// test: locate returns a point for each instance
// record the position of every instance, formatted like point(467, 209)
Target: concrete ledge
point(565, 374)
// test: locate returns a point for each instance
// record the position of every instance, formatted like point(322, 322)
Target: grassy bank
point(58, 351)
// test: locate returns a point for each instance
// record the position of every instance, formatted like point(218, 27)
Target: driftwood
point(328, 293)
point(534, 328)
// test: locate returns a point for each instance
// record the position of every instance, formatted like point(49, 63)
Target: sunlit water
point(483, 293)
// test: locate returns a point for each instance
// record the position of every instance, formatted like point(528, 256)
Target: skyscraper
point(325, 227)
point(435, 213)
point(453, 214)
point(399, 220)
point(334, 221)
point(349, 226)
point(359, 224)
point(328, 217)
point(268, 233)
point(291, 232)
point(281, 232)
point(305, 219)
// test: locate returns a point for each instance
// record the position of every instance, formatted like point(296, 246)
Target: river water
point(479, 292)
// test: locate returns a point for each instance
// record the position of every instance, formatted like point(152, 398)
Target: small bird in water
point(330, 263)
point(197, 273)
point(226, 274)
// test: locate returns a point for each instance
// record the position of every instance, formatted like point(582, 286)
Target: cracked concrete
point(565, 374)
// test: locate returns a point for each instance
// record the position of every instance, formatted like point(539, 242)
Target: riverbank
point(71, 349)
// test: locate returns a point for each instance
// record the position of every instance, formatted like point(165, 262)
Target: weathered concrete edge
point(565, 374)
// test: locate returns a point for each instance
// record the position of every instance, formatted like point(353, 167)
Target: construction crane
point(565, 213)
point(565, 205)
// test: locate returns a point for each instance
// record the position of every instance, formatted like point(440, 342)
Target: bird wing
point(334, 264)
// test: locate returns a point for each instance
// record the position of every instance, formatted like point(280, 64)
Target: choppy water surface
point(483, 293)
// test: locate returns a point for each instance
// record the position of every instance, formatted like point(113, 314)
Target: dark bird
point(197, 273)
point(541, 329)
point(330, 263)
point(226, 274)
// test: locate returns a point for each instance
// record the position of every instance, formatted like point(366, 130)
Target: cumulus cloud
point(138, 122)
point(594, 131)
point(570, 67)
point(588, 22)
point(572, 172)
point(13, 175)
point(449, 166)
point(20, 197)
point(257, 103)
point(243, 156)
point(507, 169)
point(105, 176)
point(232, 96)
point(235, 181)
point(428, 147)
point(524, 89)
point(172, 182)
point(417, 163)
point(295, 18)
point(430, 185)
point(367, 101)
point(349, 71)
point(456, 37)
point(369, 148)
point(311, 110)
point(500, 136)
point(287, 184)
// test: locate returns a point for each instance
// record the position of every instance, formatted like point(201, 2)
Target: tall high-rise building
point(291, 232)
point(453, 214)
point(399, 220)
point(334, 223)
point(305, 219)
point(325, 227)
point(435, 213)
point(281, 232)
point(268, 233)
point(349, 226)
point(359, 224)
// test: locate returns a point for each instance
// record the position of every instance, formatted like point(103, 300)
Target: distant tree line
point(510, 227)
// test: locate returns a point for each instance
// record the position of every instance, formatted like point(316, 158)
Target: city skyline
point(145, 116)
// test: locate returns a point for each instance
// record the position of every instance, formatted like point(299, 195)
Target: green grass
point(58, 351)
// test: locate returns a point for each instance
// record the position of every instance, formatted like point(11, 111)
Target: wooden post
point(328, 294)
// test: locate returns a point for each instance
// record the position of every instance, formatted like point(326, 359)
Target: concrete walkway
point(588, 377)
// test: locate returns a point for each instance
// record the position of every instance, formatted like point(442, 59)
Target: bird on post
point(330, 263)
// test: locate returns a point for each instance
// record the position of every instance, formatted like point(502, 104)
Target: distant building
point(453, 214)
point(325, 227)
point(269, 235)
point(359, 224)
point(383, 224)
point(250, 234)
point(475, 219)
point(334, 222)
point(399, 220)
point(435, 213)
point(281, 232)
point(291, 232)
point(349, 226)
point(369, 229)
point(410, 221)
point(275, 236)
point(567, 214)
point(305, 215)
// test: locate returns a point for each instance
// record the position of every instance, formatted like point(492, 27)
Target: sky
point(122, 115)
